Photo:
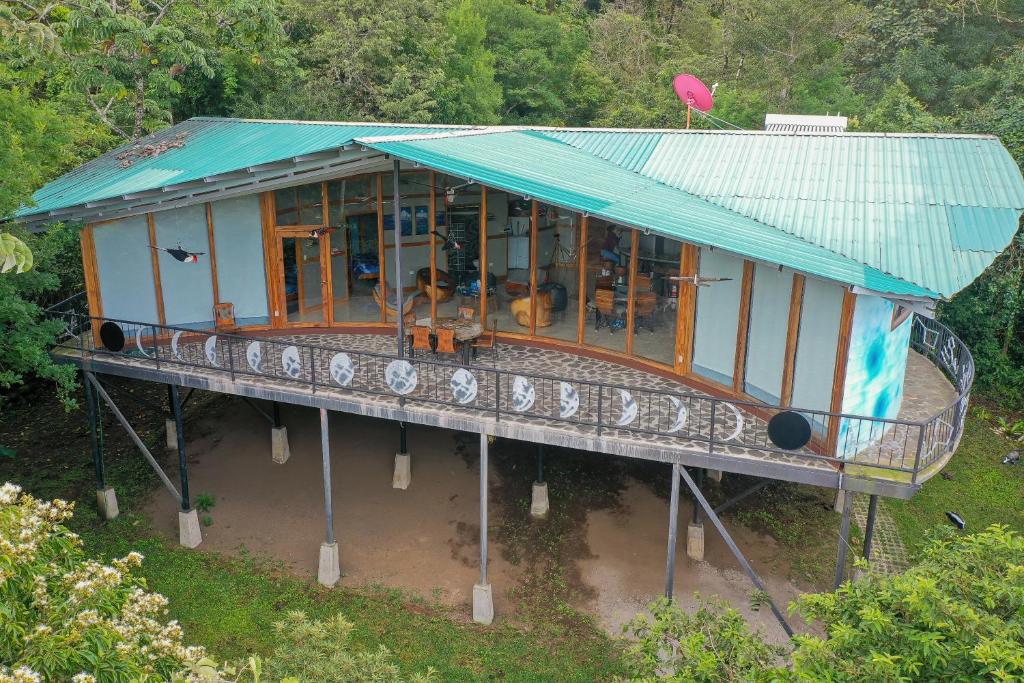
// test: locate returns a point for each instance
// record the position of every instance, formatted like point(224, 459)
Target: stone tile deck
point(739, 435)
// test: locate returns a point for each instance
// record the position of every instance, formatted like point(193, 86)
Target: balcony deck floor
point(926, 392)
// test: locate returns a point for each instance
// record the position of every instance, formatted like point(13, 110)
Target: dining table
point(467, 330)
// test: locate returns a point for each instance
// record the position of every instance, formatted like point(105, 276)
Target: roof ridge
point(233, 119)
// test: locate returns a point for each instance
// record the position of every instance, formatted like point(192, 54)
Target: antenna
point(692, 92)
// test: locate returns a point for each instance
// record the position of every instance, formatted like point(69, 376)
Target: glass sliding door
point(608, 285)
point(656, 298)
point(355, 249)
point(558, 273)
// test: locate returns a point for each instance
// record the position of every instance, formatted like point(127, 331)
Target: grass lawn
point(975, 484)
point(229, 605)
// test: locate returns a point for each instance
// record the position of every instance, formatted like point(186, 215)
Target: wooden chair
point(446, 340)
point(644, 307)
point(421, 338)
point(466, 313)
point(604, 301)
point(445, 285)
point(487, 341)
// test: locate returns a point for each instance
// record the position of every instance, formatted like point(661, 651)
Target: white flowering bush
point(64, 617)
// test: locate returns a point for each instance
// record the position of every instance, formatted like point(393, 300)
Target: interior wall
point(241, 273)
point(717, 318)
point(187, 287)
point(125, 270)
point(816, 346)
point(766, 336)
point(875, 369)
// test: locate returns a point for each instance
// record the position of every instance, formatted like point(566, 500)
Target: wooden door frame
point(300, 233)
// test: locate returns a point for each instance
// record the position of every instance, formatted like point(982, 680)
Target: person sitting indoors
point(610, 249)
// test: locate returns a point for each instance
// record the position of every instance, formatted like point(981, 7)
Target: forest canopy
point(79, 77)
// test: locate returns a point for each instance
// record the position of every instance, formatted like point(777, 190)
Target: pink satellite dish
point(693, 93)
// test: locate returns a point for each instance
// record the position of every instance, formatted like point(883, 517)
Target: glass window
point(558, 273)
point(286, 207)
point(607, 285)
point(311, 205)
point(656, 298)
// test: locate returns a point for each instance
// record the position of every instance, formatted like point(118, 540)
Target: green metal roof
point(908, 214)
point(211, 146)
point(930, 209)
point(534, 165)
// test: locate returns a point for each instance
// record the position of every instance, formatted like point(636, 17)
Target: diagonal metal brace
point(742, 495)
point(268, 418)
point(134, 436)
point(710, 512)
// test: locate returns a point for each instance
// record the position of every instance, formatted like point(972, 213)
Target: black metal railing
point(889, 448)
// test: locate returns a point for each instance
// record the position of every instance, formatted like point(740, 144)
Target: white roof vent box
point(799, 123)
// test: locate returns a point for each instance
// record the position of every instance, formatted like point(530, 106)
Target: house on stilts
point(755, 302)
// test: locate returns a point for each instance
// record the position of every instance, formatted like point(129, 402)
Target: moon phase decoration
point(464, 386)
point(401, 376)
point(254, 356)
point(523, 394)
point(680, 415)
point(290, 362)
point(138, 343)
point(789, 430)
point(210, 349)
point(739, 422)
point(569, 400)
point(174, 345)
point(341, 368)
point(630, 409)
point(112, 336)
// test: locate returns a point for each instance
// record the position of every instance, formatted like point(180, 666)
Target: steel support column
point(179, 427)
point(540, 463)
point(673, 533)
point(397, 211)
point(844, 538)
point(869, 532)
point(696, 506)
point(403, 443)
point(94, 433)
point(325, 452)
point(717, 522)
point(483, 509)
point(276, 421)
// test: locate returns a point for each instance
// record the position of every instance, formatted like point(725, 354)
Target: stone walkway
point(888, 554)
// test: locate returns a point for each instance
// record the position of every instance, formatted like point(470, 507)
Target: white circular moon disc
point(401, 376)
point(254, 355)
point(174, 344)
point(210, 348)
point(464, 386)
point(138, 343)
point(569, 400)
point(680, 417)
point(630, 409)
point(290, 362)
point(523, 394)
point(341, 368)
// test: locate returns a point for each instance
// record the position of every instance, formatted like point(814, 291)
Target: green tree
point(898, 111)
point(469, 93)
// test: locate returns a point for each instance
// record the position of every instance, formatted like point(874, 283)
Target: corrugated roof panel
point(211, 146)
point(557, 173)
point(980, 229)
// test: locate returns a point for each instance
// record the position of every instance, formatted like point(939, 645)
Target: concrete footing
point(695, 542)
point(715, 475)
point(403, 471)
point(483, 604)
point(539, 500)
point(279, 451)
point(189, 534)
point(106, 501)
point(329, 570)
point(172, 434)
point(841, 495)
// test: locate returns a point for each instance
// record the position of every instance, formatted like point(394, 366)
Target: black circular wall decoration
point(112, 336)
point(789, 430)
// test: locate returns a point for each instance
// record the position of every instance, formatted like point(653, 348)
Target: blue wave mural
point(875, 369)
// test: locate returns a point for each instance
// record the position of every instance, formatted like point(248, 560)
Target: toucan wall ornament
point(179, 254)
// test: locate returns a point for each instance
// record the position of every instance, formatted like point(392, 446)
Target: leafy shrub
point(956, 615)
point(64, 617)
point(714, 644)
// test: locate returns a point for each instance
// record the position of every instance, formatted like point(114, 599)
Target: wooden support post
point(399, 293)
point(742, 328)
point(581, 261)
point(432, 227)
point(839, 373)
point(212, 246)
point(275, 298)
point(92, 281)
point(634, 259)
point(687, 310)
point(673, 533)
point(796, 302)
point(534, 220)
point(158, 289)
point(483, 256)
